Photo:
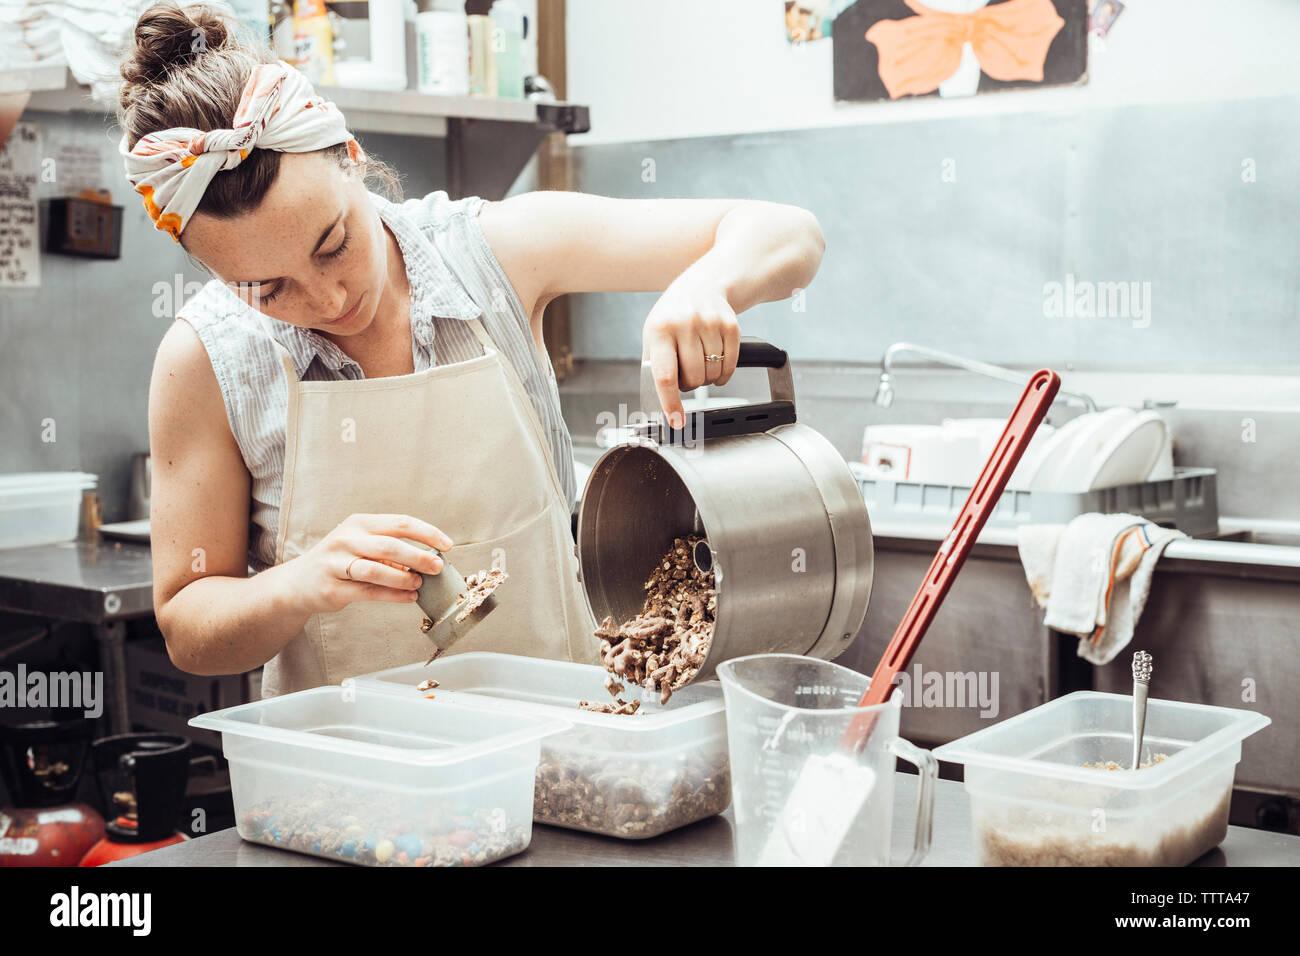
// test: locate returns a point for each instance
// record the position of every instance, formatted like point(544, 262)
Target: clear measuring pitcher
point(800, 797)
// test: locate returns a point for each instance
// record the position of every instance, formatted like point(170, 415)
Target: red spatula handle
point(983, 498)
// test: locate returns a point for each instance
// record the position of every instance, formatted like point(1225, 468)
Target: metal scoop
point(448, 602)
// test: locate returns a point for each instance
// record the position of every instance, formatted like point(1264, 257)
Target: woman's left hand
point(691, 322)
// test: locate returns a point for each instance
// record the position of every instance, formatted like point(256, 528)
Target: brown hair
point(188, 68)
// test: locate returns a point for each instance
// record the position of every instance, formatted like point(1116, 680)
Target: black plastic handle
point(734, 419)
point(757, 353)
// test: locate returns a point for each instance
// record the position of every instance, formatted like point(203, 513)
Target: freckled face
point(312, 254)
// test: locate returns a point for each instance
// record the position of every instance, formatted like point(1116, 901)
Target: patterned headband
point(279, 110)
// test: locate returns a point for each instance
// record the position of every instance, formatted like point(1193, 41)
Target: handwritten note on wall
point(20, 248)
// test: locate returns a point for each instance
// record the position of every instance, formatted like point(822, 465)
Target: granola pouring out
point(664, 646)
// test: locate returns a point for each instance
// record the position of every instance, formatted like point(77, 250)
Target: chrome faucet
point(885, 389)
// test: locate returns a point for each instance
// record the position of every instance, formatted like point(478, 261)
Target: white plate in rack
point(1130, 454)
point(1064, 461)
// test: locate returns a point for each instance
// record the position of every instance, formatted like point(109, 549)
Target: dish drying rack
point(1188, 501)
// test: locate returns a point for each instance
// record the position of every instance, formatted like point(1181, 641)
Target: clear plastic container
point(356, 775)
point(41, 507)
point(629, 776)
point(1034, 803)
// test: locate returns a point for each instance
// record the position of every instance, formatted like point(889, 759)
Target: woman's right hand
point(364, 559)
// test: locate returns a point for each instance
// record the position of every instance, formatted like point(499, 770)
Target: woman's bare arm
point(551, 243)
point(215, 618)
point(712, 258)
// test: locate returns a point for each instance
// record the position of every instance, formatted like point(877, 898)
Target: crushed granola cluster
point(665, 645)
point(618, 706)
point(478, 588)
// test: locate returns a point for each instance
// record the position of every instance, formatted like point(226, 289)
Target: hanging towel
point(1093, 576)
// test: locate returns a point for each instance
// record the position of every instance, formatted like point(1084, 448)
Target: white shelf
point(403, 112)
point(33, 78)
point(419, 114)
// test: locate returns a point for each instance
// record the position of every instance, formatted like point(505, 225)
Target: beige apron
point(461, 447)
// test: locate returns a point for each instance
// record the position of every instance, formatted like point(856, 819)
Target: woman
point(363, 381)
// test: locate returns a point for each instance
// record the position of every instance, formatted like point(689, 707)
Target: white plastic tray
point(629, 776)
point(1035, 804)
point(41, 507)
point(356, 775)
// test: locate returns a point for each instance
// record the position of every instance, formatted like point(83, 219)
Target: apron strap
point(480, 333)
point(526, 404)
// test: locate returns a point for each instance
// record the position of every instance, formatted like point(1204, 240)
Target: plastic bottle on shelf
point(482, 57)
point(442, 37)
point(508, 43)
point(313, 41)
point(372, 51)
point(255, 17)
point(530, 39)
point(411, 10)
point(281, 24)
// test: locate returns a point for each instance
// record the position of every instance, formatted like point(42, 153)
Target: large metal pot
point(788, 535)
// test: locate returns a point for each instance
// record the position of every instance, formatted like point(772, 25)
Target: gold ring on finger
point(348, 572)
point(713, 357)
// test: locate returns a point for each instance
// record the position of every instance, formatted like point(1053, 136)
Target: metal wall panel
point(1151, 193)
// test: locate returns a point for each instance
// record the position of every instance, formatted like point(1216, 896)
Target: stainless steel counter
point(76, 581)
point(102, 584)
point(711, 843)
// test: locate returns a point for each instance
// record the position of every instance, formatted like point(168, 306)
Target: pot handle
point(719, 422)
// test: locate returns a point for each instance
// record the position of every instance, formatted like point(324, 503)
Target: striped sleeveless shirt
point(453, 276)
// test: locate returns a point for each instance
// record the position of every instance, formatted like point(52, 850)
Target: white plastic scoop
point(828, 796)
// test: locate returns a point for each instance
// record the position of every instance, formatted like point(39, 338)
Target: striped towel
point(1093, 576)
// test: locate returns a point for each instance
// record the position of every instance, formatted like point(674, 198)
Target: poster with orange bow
point(889, 49)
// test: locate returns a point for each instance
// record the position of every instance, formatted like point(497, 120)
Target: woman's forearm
point(762, 252)
point(228, 625)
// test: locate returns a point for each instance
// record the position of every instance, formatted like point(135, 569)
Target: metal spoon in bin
point(1141, 681)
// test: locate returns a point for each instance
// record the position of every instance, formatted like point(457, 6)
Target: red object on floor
point(48, 836)
point(144, 776)
point(107, 851)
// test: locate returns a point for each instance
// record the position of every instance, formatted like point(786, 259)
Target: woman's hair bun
point(168, 37)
